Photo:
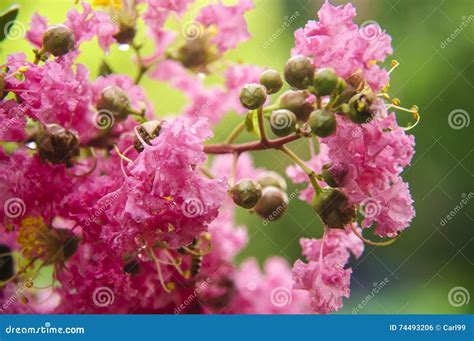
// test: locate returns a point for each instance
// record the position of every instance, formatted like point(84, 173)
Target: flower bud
point(253, 96)
point(115, 100)
point(58, 40)
point(282, 122)
point(332, 206)
point(273, 204)
point(196, 53)
point(246, 193)
point(299, 72)
point(2, 86)
point(57, 144)
point(360, 110)
point(322, 123)
point(148, 131)
point(131, 266)
point(274, 179)
point(272, 81)
point(325, 81)
point(297, 102)
point(69, 242)
point(7, 267)
point(125, 34)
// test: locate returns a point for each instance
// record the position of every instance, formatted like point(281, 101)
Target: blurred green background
point(430, 260)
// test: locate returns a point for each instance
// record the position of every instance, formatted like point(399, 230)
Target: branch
point(226, 148)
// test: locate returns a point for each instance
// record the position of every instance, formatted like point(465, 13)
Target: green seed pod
point(246, 193)
point(272, 81)
point(58, 40)
point(297, 102)
point(299, 72)
point(148, 131)
point(322, 123)
point(360, 110)
point(273, 204)
point(332, 206)
point(57, 144)
point(253, 96)
point(274, 179)
point(7, 267)
point(115, 100)
point(283, 122)
point(325, 81)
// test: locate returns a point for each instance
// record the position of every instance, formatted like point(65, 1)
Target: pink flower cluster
point(128, 210)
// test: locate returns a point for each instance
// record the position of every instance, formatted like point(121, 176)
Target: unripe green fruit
point(273, 204)
point(299, 72)
point(322, 123)
point(272, 81)
point(58, 40)
point(297, 103)
point(274, 179)
point(246, 193)
point(360, 110)
point(325, 81)
point(253, 96)
point(332, 206)
point(115, 100)
point(282, 122)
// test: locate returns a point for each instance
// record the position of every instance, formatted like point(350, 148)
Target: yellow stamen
point(394, 64)
point(396, 101)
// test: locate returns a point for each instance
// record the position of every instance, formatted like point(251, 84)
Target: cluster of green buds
point(266, 196)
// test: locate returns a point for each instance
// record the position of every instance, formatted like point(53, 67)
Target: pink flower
point(38, 25)
point(343, 242)
point(165, 197)
point(327, 282)
point(269, 292)
point(229, 21)
point(335, 41)
point(12, 121)
point(373, 155)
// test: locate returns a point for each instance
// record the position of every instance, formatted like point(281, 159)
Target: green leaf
point(7, 21)
point(105, 69)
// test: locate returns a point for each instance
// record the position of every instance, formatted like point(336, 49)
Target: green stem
point(311, 173)
point(261, 126)
point(235, 133)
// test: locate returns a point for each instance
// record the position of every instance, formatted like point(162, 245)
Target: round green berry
point(322, 122)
